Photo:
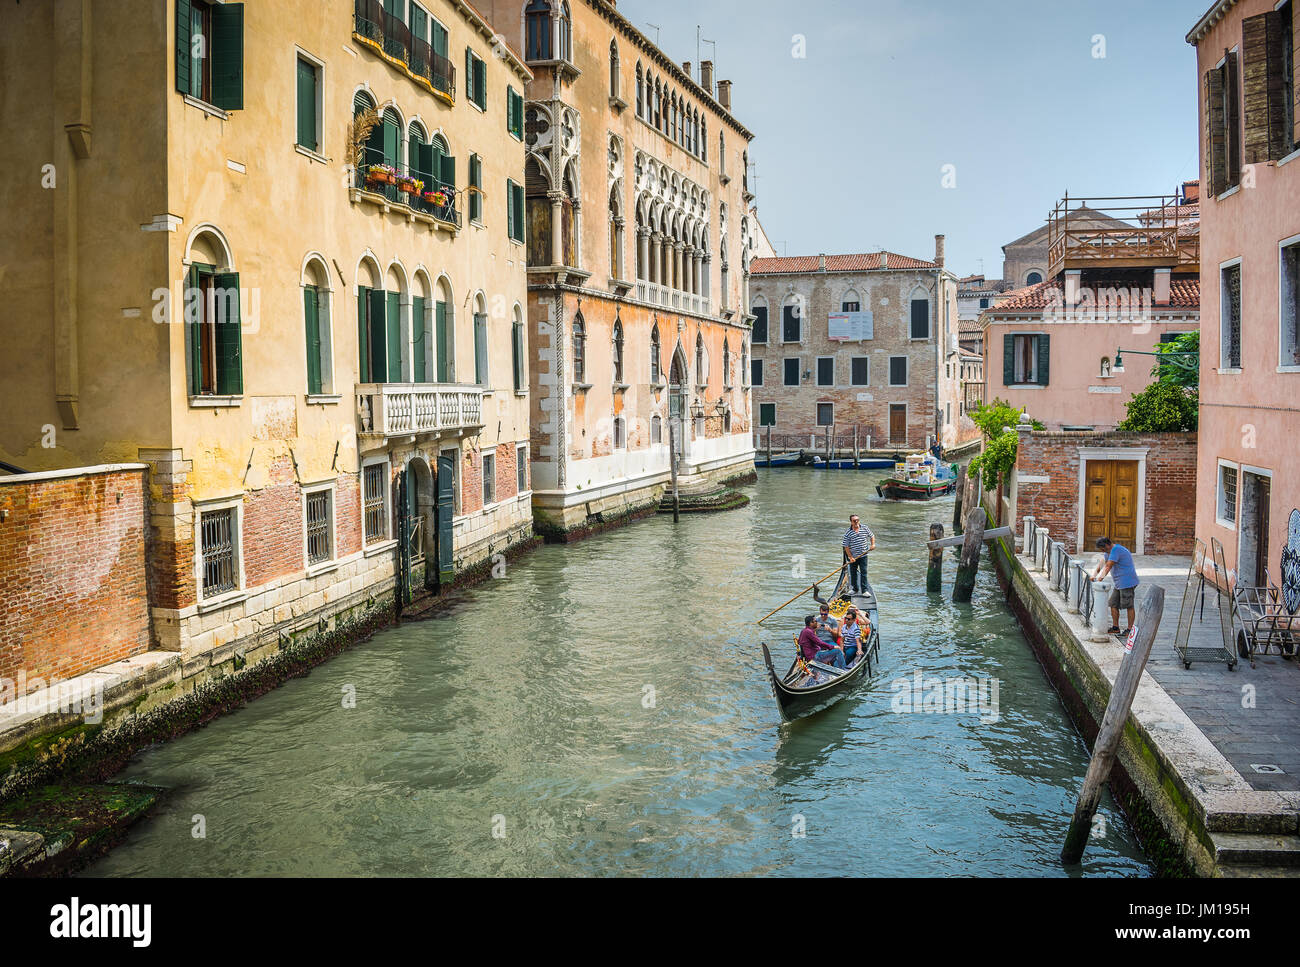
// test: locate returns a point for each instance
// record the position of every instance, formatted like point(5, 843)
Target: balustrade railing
point(395, 409)
point(1065, 573)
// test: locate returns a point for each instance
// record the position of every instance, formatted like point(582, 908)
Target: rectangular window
point(375, 501)
point(1227, 494)
point(825, 414)
point(859, 369)
point(767, 414)
point(210, 52)
point(515, 210)
point(521, 469)
point(213, 331)
point(984, 303)
point(308, 104)
point(759, 332)
point(1230, 317)
point(920, 318)
point(1290, 302)
point(850, 307)
point(656, 430)
point(475, 78)
point(620, 433)
point(475, 188)
point(489, 479)
point(515, 113)
point(480, 349)
point(790, 324)
point(825, 370)
point(897, 370)
point(756, 372)
point(791, 372)
point(1025, 359)
point(320, 514)
point(218, 545)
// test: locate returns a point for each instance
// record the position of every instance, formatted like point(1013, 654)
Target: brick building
point(856, 340)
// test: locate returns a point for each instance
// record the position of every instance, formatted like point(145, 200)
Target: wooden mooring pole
point(934, 573)
point(769, 446)
point(672, 467)
point(855, 446)
point(973, 539)
point(1112, 723)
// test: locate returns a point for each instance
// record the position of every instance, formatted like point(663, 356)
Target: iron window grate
point(318, 527)
point(217, 537)
point(374, 503)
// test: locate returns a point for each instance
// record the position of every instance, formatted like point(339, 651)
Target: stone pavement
point(1251, 715)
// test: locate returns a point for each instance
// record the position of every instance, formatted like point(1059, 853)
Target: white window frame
point(818, 373)
point(817, 413)
point(1282, 246)
point(239, 592)
point(387, 541)
point(799, 319)
point(521, 487)
point(1224, 368)
point(319, 153)
point(483, 465)
point(798, 372)
point(908, 360)
point(867, 360)
point(331, 562)
point(1026, 384)
point(1220, 466)
point(761, 368)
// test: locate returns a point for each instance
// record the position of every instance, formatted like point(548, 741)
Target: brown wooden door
point(898, 423)
point(1261, 528)
point(1111, 502)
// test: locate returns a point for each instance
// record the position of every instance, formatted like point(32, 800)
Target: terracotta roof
point(794, 264)
point(969, 325)
point(1183, 294)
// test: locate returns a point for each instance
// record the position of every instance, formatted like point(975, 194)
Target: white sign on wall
point(850, 326)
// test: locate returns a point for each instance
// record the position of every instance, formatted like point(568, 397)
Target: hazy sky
point(851, 140)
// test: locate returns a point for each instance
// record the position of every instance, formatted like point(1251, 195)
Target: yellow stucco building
point(322, 362)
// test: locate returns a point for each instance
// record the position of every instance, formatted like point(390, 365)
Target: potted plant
point(438, 198)
point(381, 174)
point(409, 185)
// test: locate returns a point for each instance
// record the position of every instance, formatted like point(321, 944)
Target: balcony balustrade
point(390, 410)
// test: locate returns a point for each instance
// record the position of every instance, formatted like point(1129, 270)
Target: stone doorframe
point(1087, 454)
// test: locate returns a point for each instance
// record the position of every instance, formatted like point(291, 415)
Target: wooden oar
point(800, 594)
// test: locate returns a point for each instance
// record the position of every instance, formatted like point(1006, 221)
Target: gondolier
point(856, 549)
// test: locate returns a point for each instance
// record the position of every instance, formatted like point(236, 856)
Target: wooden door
point(1261, 529)
point(1111, 503)
point(898, 423)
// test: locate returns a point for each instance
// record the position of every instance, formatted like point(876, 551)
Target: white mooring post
point(1028, 524)
point(1044, 542)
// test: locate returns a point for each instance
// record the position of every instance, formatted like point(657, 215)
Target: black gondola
point(810, 686)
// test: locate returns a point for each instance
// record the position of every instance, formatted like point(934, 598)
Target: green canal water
point(602, 709)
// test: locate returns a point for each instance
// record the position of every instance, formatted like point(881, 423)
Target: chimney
point(1191, 192)
point(724, 94)
point(706, 76)
point(938, 250)
point(686, 66)
point(821, 263)
point(884, 260)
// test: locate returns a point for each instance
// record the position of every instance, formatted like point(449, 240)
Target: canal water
point(602, 709)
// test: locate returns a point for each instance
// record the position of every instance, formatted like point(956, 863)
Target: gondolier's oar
point(801, 594)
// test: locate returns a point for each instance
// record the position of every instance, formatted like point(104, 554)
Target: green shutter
point(475, 181)
point(439, 39)
point(184, 13)
point(469, 74)
point(192, 327)
point(1044, 358)
point(518, 345)
point(440, 337)
point(419, 373)
point(424, 161)
point(228, 56)
point(480, 349)
point(363, 342)
point(1008, 359)
point(307, 106)
point(419, 20)
point(393, 329)
point(230, 367)
point(480, 83)
point(311, 316)
point(392, 143)
point(378, 353)
point(519, 212)
point(447, 172)
point(510, 208)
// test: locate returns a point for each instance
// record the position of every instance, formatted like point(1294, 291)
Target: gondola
point(895, 488)
point(809, 686)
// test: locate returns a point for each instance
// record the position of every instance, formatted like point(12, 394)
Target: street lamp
point(1187, 360)
point(697, 409)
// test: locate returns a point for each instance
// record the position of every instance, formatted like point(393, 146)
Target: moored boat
point(920, 477)
point(809, 686)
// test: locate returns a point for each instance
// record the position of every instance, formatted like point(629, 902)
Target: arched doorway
point(677, 411)
point(419, 503)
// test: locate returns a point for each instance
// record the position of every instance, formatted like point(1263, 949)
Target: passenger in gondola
point(851, 635)
point(813, 648)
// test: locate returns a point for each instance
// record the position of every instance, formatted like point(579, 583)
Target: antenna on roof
point(656, 27)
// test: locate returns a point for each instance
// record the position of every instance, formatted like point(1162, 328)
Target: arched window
point(722, 154)
point(620, 433)
point(444, 332)
point(656, 429)
point(210, 311)
point(613, 69)
point(656, 374)
point(565, 32)
point(1033, 278)
point(537, 30)
point(726, 362)
point(704, 139)
point(316, 315)
point(579, 349)
point(701, 365)
point(480, 342)
point(744, 364)
point(517, 346)
point(640, 91)
point(615, 234)
point(618, 350)
point(851, 302)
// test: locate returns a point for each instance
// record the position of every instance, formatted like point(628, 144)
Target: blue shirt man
point(1119, 560)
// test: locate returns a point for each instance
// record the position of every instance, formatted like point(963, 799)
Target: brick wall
point(1169, 500)
point(73, 581)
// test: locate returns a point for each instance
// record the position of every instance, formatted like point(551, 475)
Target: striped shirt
point(856, 540)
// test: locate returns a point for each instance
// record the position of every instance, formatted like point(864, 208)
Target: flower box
point(381, 175)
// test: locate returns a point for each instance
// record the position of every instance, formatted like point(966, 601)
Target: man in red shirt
point(814, 649)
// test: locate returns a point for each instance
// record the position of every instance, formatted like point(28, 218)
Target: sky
point(1025, 100)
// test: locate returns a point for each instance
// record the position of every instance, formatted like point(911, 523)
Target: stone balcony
point(387, 412)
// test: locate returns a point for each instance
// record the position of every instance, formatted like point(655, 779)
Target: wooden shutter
point(1232, 95)
point(438, 39)
point(469, 74)
point(480, 83)
point(419, 373)
point(440, 342)
point(1216, 148)
point(228, 56)
point(1044, 358)
point(920, 318)
point(510, 209)
point(307, 105)
point(480, 349)
point(447, 172)
point(363, 338)
point(393, 334)
point(446, 507)
point(475, 182)
point(520, 220)
point(517, 344)
point(311, 316)
point(1008, 359)
point(377, 309)
point(190, 302)
point(1295, 72)
point(760, 324)
point(1262, 70)
point(424, 161)
point(392, 142)
point(184, 13)
point(230, 368)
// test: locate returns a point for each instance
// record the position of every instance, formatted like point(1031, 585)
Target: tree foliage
point(1169, 372)
point(999, 455)
point(1163, 407)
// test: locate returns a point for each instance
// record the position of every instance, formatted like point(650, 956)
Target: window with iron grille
point(375, 505)
point(1227, 494)
point(1230, 317)
point(656, 430)
point(489, 479)
point(521, 468)
point(825, 414)
point(318, 527)
point(217, 550)
point(1290, 280)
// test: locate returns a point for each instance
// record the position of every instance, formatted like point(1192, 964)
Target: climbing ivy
point(999, 455)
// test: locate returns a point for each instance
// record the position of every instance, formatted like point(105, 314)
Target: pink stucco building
point(1248, 466)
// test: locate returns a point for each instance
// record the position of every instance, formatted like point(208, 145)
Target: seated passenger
point(828, 629)
point(852, 635)
point(813, 648)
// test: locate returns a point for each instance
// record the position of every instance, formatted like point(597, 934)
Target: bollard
point(964, 585)
point(1100, 611)
point(1044, 542)
point(1028, 523)
point(934, 573)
